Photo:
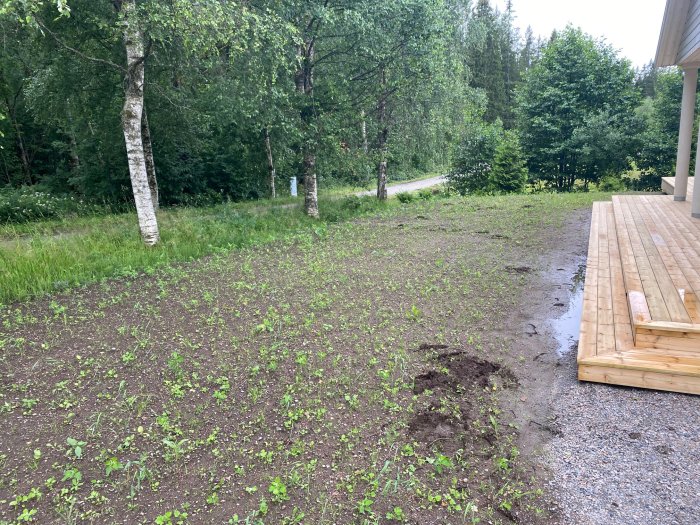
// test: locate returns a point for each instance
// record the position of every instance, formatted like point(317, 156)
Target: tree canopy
point(575, 109)
point(225, 97)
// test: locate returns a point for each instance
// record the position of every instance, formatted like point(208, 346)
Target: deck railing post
point(695, 209)
point(685, 133)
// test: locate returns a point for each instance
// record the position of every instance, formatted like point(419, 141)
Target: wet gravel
point(624, 455)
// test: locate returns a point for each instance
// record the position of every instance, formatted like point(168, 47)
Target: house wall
point(691, 36)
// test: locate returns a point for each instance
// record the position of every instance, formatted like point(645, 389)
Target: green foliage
point(474, 160)
point(611, 183)
point(278, 490)
point(405, 197)
point(659, 139)
point(26, 204)
point(492, 61)
point(509, 173)
point(172, 517)
point(218, 74)
point(576, 111)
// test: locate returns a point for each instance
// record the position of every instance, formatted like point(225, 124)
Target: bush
point(509, 173)
point(648, 180)
point(611, 183)
point(474, 160)
point(27, 204)
point(405, 197)
point(347, 207)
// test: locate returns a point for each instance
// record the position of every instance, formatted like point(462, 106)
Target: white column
point(685, 134)
point(696, 197)
point(696, 190)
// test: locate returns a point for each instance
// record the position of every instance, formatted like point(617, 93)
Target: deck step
point(660, 334)
point(642, 370)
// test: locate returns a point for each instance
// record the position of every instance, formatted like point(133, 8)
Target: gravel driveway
point(625, 456)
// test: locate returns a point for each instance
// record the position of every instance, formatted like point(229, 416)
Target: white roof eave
point(672, 31)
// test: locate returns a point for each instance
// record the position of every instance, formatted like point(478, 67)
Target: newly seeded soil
point(360, 376)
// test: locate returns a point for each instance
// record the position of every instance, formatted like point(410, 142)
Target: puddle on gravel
point(566, 327)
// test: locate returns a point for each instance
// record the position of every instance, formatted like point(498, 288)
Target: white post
point(696, 191)
point(685, 133)
point(293, 186)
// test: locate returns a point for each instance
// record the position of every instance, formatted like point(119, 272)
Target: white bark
point(365, 143)
point(270, 164)
point(383, 140)
point(132, 115)
point(305, 85)
point(310, 186)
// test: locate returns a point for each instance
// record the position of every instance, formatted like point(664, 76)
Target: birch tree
point(203, 28)
point(403, 48)
point(133, 118)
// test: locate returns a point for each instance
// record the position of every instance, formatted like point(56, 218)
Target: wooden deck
point(641, 319)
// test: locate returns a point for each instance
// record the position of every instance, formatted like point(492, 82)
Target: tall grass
point(41, 257)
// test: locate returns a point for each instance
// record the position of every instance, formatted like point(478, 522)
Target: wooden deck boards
point(641, 320)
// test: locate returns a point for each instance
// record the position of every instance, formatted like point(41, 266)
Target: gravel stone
point(624, 456)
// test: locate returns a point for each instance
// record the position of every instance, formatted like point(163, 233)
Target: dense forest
point(169, 102)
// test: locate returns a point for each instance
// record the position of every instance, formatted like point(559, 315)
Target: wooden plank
point(621, 316)
point(668, 186)
point(668, 326)
point(685, 365)
point(639, 378)
point(630, 276)
point(629, 265)
point(639, 309)
point(664, 243)
point(668, 344)
point(649, 285)
point(683, 246)
point(663, 282)
point(606, 319)
point(587, 344)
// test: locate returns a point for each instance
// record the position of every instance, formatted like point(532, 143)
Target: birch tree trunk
point(270, 164)
point(383, 139)
point(150, 162)
point(305, 85)
point(23, 155)
point(73, 143)
point(132, 116)
point(365, 142)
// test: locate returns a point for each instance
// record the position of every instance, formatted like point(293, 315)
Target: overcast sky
point(632, 26)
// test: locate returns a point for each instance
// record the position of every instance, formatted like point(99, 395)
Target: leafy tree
point(219, 85)
point(578, 83)
point(403, 50)
point(492, 59)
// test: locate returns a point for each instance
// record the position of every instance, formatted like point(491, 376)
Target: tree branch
point(80, 53)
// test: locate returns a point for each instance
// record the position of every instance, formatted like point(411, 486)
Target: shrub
point(475, 156)
point(342, 209)
point(405, 197)
point(27, 204)
point(509, 173)
point(611, 183)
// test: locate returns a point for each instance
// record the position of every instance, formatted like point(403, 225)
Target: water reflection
point(566, 327)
